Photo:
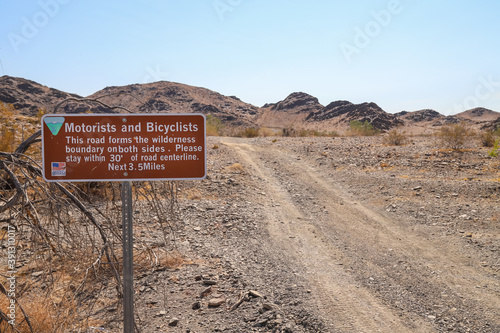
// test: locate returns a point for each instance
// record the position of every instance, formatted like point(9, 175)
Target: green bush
point(494, 151)
point(358, 128)
point(214, 126)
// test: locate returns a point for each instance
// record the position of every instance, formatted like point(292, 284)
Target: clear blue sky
point(402, 55)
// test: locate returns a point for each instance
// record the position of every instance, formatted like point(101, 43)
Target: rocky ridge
point(28, 96)
point(299, 110)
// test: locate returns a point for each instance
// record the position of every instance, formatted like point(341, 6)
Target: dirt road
point(368, 270)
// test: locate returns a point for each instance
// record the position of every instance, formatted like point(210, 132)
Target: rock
point(267, 306)
point(173, 322)
point(209, 282)
point(205, 292)
point(255, 294)
point(216, 302)
point(196, 306)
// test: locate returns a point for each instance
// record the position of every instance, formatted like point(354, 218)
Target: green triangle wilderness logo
point(54, 124)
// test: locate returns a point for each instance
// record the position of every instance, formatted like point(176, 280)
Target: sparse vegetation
point(70, 238)
point(396, 138)
point(236, 168)
point(494, 151)
point(358, 128)
point(249, 132)
point(214, 126)
point(292, 132)
point(487, 139)
point(8, 127)
point(454, 136)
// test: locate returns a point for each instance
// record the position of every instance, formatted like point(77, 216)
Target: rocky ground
point(331, 235)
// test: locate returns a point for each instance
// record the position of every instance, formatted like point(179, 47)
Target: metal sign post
point(128, 255)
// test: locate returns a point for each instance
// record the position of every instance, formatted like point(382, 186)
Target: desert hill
point(28, 96)
point(303, 110)
point(290, 112)
point(170, 97)
point(479, 115)
point(299, 109)
point(341, 113)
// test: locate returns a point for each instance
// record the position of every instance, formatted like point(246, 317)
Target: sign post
point(126, 148)
point(128, 258)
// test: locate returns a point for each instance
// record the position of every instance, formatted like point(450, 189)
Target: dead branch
point(89, 100)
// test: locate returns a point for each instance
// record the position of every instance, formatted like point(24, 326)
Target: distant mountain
point(479, 115)
point(343, 112)
point(299, 110)
point(290, 112)
point(28, 96)
point(170, 97)
point(420, 116)
point(303, 110)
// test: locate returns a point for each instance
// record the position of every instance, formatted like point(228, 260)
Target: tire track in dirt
point(338, 240)
point(344, 303)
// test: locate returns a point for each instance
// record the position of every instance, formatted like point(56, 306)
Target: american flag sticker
point(58, 168)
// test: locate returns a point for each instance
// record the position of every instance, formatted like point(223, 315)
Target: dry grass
point(236, 168)
point(45, 314)
point(249, 132)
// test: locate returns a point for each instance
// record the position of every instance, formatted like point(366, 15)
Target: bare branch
point(91, 100)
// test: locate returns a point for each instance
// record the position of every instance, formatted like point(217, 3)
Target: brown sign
point(123, 147)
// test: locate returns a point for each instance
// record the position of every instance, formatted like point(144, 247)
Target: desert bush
point(396, 138)
point(214, 126)
point(494, 151)
point(454, 136)
point(265, 132)
point(249, 132)
point(8, 127)
point(487, 139)
point(291, 132)
point(358, 128)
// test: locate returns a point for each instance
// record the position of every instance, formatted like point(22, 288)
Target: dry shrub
point(71, 233)
point(193, 194)
point(44, 314)
point(249, 132)
point(396, 138)
point(173, 260)
point(235, 168)
point(292, 132)
point(214, 126)
point(487, 139)
point(265, 132)
point(454, 136)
